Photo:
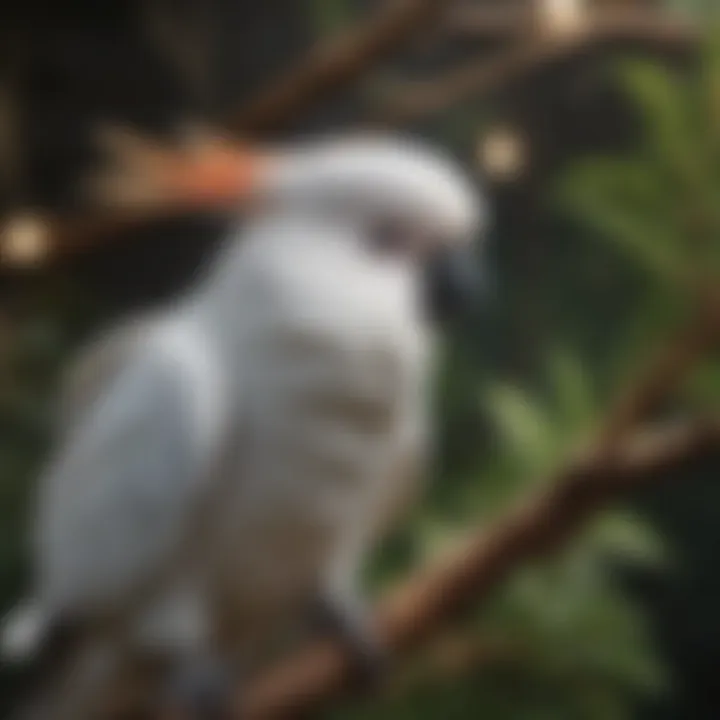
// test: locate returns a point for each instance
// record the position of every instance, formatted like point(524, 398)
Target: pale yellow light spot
point(562, 17)
point(502, 153)
point(24, 241)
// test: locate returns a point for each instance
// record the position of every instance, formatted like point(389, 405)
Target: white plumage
point(228, 458)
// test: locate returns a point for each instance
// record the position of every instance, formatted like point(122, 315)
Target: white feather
point(22, 632)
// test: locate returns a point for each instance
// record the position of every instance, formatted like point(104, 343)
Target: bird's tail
point(33, 650)
point(22, 633)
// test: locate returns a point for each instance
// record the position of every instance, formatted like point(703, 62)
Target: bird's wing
point(97, 365)
point(126, 481)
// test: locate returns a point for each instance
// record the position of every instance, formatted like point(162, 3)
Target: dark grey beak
point(455, 285)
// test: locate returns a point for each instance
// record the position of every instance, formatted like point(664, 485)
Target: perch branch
point(456, 654)
point(414, 611)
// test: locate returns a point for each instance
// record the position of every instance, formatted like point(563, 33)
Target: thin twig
point(475, 78)
point(335, 64)
point(479, 77)
point(629, 22)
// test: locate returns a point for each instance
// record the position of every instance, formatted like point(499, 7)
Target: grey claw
point(370, 659)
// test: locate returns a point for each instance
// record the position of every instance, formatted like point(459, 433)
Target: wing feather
point(129, 476)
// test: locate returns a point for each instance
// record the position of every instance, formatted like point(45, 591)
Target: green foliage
point(659, 205)
point(569, 609)
point(582, 647)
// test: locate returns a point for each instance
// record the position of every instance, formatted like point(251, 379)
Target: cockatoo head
point(380, 180)
point(408, 202)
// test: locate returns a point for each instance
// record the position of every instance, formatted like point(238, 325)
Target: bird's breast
point(329, 363)
point(320, 429)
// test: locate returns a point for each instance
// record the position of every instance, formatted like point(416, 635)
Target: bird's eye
point(390, 238)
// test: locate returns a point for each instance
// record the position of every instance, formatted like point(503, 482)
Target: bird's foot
point(352, 625)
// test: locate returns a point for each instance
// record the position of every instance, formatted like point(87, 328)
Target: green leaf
point(671, 126)
point(521, 423)
point(625, 535)
point(624, 202)
point(572, 392)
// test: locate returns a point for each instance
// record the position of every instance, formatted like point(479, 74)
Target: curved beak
point(456, 286)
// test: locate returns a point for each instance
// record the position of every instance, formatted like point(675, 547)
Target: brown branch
point(665, 371)
point(415, 610)
point(59, 236)
point(425, 98)
point(480, 77)
point(336, 64)
point(508, 20)
point(454, 655)
point(502, 20)
point(343, 59)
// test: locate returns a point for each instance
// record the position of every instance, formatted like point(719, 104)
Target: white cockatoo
point(227, 460)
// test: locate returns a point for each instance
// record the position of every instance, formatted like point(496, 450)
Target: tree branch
point(620, 462)
point(334, 64)
point(640, 23)
point(665, 371)
point(479, 77)
point(419, 606)
point(343, 59)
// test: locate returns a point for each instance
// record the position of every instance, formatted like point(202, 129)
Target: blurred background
point(594, 128)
